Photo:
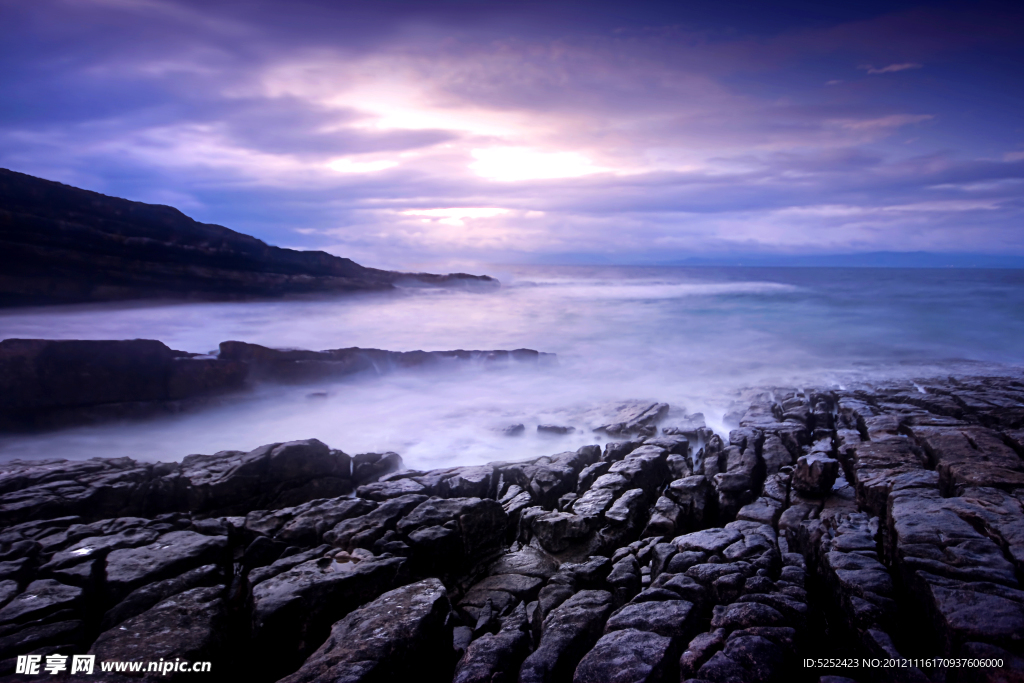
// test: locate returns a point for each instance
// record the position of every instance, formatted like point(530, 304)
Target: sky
point(414, 132)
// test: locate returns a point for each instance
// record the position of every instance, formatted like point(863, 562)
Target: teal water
point(693, 337)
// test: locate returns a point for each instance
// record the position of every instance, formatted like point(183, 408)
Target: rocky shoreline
point(47, 384)
point(883, 522)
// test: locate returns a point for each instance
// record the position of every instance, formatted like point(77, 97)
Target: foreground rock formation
point(60, 244)
point(52, 383)
point(880, 523)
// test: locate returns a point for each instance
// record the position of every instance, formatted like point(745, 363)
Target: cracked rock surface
point(877, 521)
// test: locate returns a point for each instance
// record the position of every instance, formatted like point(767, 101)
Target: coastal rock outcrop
point(47, 383)
point(670, 558)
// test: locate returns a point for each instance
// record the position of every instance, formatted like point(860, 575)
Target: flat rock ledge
point(878, 522)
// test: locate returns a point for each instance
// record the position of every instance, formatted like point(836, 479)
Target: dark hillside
point(61, 244)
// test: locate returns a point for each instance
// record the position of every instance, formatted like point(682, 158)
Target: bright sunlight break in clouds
point(401, 132)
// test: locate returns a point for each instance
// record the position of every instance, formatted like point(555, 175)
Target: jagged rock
point(40, 599)
point(744, 615)
point(365, 530)
point(527, 561)
point(673, 619)
point(292, 612)
point(283, 564)
point(815, 474)
point(513, 430)
point(555, 429)
point(188, 626)
point(558, 531)
point(386, 490)
point(145, 597)
point(495, 657)
point(751, 659)
point(402, 635)
point(633, 417)
point(307, 523)
point(710, 541)
point(475, 532)
point(695, 498)
point(624, 579)
point(961, 612)
point(699, 651)
point(502, 591)
point(569, 632)
point(173, 553)
point(627, 656)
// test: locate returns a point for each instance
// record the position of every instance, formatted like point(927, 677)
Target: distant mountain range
point(876, 259)
point(61, 244)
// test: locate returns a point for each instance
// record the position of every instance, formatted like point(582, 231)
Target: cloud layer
point(396, 134)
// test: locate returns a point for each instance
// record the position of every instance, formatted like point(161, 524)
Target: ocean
point(696, 338)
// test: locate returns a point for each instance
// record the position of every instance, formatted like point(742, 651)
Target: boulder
point(172, 554)
point(569, 632)
point(627, 656)
point(292, 612)
point(815, 474)
point(189, 626)
point(402, 635)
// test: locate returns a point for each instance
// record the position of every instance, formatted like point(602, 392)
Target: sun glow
point(455, 216)
point(346, 165)
point(520, 163)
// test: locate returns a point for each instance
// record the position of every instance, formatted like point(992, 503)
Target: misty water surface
point(692, 337)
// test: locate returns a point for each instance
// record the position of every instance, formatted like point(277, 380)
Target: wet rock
point(569, 632)
point(495, 657)
point(145, 597)
point(470, 482)
point(634, 417)
point(695, 497)
point(589, 475)
point(305, 524)
point(479, 525)
point(363, 531)
point(502, 592)
point(978, 611)
point(745, 615)
point(617, 450)
point(624, 579)
point(627, 656)
point(555, 429)
point(666, 517)
point(513, 430)
point(283, 564)
point(275, 475)
point(527, 561)
point(188, 626)
point(699, 651)
point(674, 619)
point(558, 531)
point(401, 635)
point(750, 659)
point(292, 612)
point(815, 474)
point(709, 541)
point(386, 490)
point(173, 553)
point(40, 599)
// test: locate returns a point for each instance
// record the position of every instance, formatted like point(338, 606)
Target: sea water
point(696, 338)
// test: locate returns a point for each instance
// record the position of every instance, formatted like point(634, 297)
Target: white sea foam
point(689, 337)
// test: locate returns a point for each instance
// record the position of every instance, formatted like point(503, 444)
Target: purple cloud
point(400, 136)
